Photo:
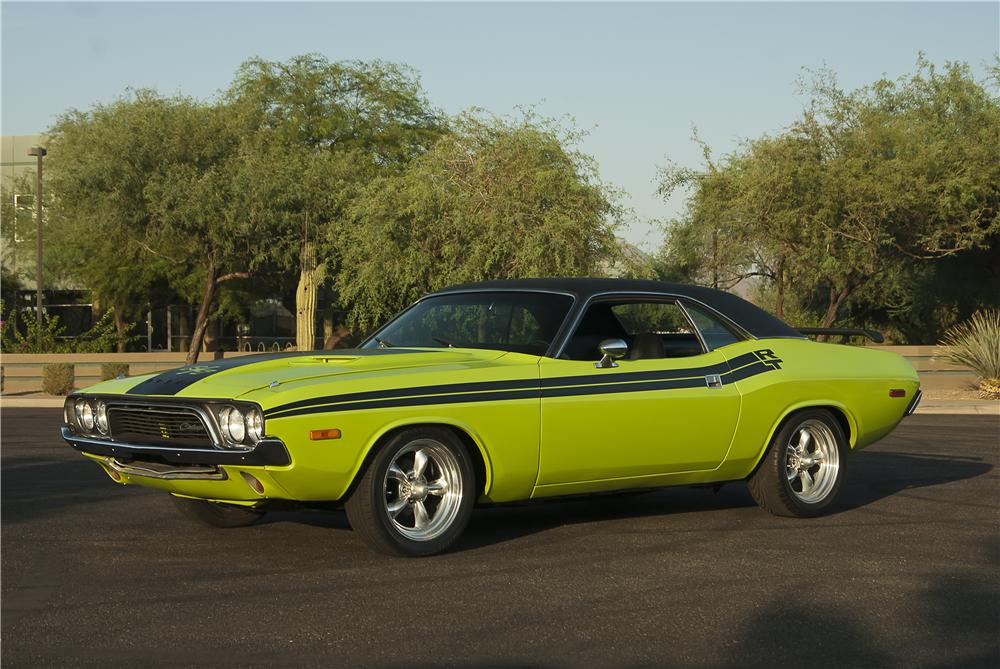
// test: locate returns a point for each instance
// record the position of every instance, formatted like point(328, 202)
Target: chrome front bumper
point(268, 452)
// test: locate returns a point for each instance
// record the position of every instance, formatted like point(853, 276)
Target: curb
point(968, 407)
point(31, 402)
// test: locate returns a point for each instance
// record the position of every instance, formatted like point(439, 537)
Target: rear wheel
point(216, 514)
point(416, 496)
point(804, 467)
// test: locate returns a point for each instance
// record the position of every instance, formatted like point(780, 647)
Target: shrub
point(58, 378)
point(112, 370)
point(19, 333)
point(976, 344)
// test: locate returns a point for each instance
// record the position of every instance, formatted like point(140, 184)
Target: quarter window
point(714, 332)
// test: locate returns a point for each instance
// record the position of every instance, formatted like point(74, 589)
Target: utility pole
point(38, 152)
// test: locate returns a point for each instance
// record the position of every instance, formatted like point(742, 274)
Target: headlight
point(255, 425)
point(84, 414)
point(101, 417)
point(232, 423)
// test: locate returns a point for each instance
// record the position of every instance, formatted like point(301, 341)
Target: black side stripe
point(518, 384)
point(475, 386)
point(752, 369)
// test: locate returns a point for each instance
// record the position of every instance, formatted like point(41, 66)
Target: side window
point(652, 330)
point(652, 317)
point(715, 333)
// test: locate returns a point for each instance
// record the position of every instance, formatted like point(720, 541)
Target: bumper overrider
point(167, 439)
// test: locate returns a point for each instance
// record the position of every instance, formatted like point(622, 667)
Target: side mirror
point(611, 350)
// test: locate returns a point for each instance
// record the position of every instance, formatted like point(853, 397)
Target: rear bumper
point(914, 403)
point(268, 452)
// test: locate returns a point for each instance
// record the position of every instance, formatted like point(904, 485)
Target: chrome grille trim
point(185, 424)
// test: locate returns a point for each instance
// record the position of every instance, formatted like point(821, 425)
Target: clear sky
point(639, 76)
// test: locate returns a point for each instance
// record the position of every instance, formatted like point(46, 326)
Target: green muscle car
point(503, 391)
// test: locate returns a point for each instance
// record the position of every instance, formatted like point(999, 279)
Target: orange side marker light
point(318, 435)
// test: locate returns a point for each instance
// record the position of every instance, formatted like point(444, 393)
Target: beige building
point(17, 176)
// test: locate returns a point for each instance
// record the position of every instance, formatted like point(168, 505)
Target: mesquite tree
point(865, 185)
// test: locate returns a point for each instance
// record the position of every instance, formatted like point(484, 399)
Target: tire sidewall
point(781, 445)
point(403, 544)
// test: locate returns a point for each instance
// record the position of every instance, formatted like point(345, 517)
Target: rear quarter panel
point(852, 380)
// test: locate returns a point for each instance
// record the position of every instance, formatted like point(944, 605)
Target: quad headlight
point(239, 428)
point(101, 416)
point(84, 414)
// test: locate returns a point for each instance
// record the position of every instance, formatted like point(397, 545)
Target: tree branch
point(232, 275)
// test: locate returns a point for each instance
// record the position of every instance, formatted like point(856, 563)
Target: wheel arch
point(469, 438)
point(838, 410)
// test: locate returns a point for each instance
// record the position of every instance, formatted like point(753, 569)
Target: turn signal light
point(254, 484)
point(317, 435)
point(897, 392)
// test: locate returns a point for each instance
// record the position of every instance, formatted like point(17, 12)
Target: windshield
point(522, 322)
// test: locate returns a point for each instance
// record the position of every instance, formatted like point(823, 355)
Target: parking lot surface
point(905, 572)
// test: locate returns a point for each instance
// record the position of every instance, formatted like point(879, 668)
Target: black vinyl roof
point(751, 318)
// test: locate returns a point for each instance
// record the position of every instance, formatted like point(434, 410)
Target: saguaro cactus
point(310, 279)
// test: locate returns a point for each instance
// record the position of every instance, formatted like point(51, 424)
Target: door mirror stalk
point(611, 350)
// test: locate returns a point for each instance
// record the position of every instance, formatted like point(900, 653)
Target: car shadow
point(873, 476)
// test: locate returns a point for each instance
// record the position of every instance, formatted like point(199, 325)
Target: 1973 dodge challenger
point(503, 391)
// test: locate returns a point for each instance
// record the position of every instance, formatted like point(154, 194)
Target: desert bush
point(102, 337)
point(112, 370)
point(976, 344)
point(58, 378)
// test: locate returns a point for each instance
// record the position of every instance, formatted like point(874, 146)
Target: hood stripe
point(173, 381)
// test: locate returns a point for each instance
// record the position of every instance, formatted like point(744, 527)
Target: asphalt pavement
point(904, 573)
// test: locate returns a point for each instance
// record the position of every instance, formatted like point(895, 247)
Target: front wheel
point(803, 469)
point(416, 496)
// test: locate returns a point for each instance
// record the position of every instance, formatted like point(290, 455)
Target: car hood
point(240, 375)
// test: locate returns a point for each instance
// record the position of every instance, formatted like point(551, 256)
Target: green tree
point(866, 184)
point(152, 189)
point(323, 131)
point(493, 199)
point(100, 163)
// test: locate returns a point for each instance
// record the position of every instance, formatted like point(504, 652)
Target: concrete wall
point(23, 372)
point(934, 374)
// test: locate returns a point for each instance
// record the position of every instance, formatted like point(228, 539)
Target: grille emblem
point(164, 432)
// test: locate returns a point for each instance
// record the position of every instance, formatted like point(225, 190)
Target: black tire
point(367, 507)
point(770, 485)
point(215, 513)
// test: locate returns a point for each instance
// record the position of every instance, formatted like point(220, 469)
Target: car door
point(663, 408)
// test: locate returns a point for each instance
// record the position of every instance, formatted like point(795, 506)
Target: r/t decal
point(768, 358)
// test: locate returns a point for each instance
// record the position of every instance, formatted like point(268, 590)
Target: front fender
point(412, 421)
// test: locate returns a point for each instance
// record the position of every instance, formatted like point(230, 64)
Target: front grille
point(158, 426)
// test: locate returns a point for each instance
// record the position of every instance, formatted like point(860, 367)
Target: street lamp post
point(39, 152)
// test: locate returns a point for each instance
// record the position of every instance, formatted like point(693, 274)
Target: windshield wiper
point(442, 341)
point(382, 343)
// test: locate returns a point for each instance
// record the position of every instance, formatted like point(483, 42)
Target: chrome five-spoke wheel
point(423, 489)
point(802, 471)
point(415, 496)
point(812, 459)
